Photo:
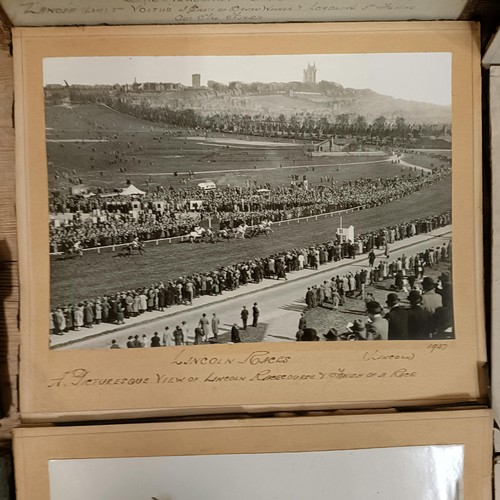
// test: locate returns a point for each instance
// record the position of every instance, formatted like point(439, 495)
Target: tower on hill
point(196, 79)
point(310, 73)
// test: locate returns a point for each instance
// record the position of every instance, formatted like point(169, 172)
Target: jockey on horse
point(137, 244)
point(77, 248)
point(240, 231)
point(264, 227)
point(224, 234)
point(196, 234)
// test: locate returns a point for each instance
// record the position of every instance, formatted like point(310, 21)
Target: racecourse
point(106, 148)
point(76, 279)
point(280, 303)
point(98, 147)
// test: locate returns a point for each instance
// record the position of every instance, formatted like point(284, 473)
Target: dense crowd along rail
point(117, 306)
point(97, 222)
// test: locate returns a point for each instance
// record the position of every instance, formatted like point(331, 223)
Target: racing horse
point(197, 234)
point(240, 231)
point(263, 228)
point(71, 252)
point(128, 250)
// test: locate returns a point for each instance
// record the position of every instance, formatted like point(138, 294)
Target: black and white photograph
point(411, 472)
point(200, 200)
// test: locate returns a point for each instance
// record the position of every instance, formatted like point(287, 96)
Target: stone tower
point(196, 79)
point(310, 73)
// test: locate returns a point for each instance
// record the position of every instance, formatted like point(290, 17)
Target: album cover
point(445, 455)
point(197, 202)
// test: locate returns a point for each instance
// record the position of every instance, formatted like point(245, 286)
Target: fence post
point(113, 248)
point(157, 242)
point(98, 250)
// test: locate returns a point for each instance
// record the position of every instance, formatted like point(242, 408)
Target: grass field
point(151, 154)
point(96, 274)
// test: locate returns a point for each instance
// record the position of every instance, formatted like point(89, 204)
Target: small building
point(327, 146)
point(207, 185)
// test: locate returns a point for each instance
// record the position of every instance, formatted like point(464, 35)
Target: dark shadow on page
point(5, 292)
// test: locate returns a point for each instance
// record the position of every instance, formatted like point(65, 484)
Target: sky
point(424, 77)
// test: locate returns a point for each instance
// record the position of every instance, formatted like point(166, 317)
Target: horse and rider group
point(240, 232)
point(197, 235)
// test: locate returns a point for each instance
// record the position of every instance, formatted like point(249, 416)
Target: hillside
point(324, 99)
point(90, 118)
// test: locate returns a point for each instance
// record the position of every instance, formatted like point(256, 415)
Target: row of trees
point(297, 125)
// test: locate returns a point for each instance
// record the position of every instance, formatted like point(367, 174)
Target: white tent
point(207, 185)
point(131, 190)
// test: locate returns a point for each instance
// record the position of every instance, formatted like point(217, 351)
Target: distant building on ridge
point(310, 73)
point(196, 78)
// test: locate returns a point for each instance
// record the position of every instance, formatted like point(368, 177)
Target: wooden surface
point(9, 283)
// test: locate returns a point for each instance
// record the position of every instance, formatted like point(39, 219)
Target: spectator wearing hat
point(397, 318)
point(442, 324)
point(302, 322)
point(371, 258)
point(308, 335)
point(119, 314)
point(357, 331)
point(204, 324)
point(430, 299)
point(398, 280)
point(88, 315)
point(244, 317)
point(178, 335)
point(378, 327)
point(185, 332)
point(61, 321)
point(418, 318)
point(445, 290)
point(215, 325)
point(331, 335)
point(198, 335)
point(78, 315)
point(68, 316)
point(166, 337)
point(310, 298)
point(155, 340)
point(235, 334)
point(255, 314)
point(130, 342)
point(105, 310)
point(97, 311)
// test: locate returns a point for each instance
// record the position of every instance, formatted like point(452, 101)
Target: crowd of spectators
point(429, 314)
point(117, 306)
point(95, 221)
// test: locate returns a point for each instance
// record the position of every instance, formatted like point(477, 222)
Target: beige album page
point(444, 455)
point(195, 203)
